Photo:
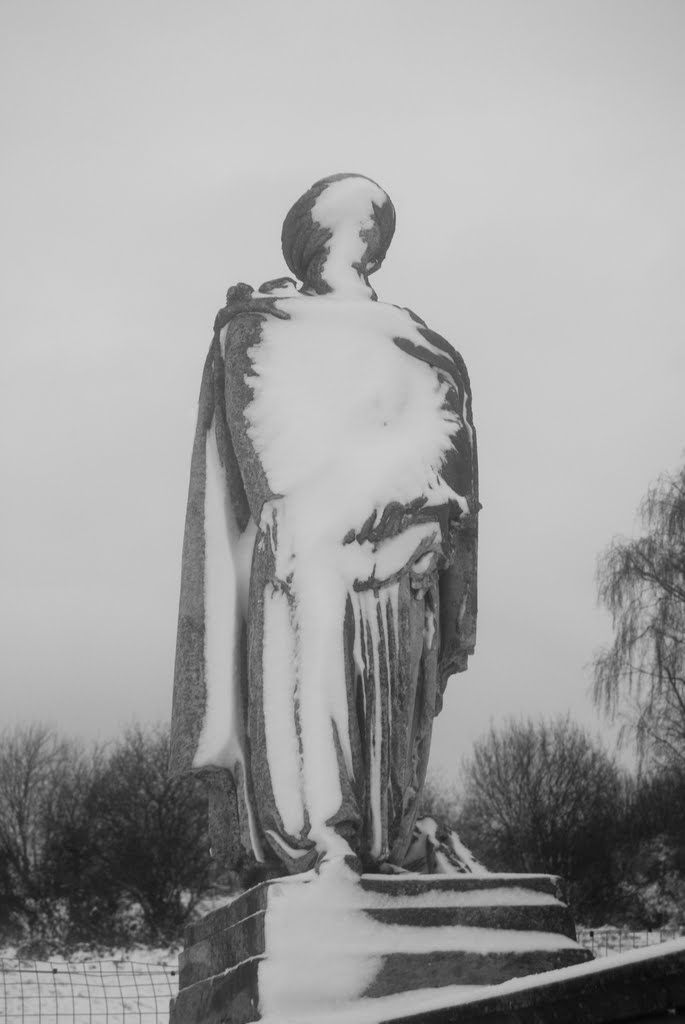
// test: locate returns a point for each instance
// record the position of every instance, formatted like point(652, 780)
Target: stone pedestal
point(308, 944)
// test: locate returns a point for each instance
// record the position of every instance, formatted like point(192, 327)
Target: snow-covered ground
point(135, 985)
point(129, 985)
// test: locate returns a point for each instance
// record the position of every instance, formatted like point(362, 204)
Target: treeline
point(544, 796)
point(97, 844)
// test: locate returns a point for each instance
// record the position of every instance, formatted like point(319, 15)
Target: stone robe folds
point(310, 666)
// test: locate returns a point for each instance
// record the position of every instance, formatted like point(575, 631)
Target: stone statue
point(329, 564)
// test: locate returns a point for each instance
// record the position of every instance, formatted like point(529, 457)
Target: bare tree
point(642, 583)
point(148, 835)
point(543, 796)
point(87, 833)
point(34, 766)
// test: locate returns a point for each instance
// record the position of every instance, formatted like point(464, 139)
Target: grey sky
point(535, 153)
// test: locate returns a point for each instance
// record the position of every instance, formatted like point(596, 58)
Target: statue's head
point(338, 233)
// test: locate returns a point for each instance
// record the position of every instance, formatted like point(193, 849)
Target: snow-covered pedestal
point(311, 945)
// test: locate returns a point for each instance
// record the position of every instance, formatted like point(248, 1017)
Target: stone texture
point(248, 903)
point(649, 990)
point(415, 885)
point(402, 972)
point(391, 886)
point(223, 949)
point(227, 998)
point(552, 918)
point(219, 968)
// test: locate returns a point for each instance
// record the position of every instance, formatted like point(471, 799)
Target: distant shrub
point(545, 797)
point(97, 845)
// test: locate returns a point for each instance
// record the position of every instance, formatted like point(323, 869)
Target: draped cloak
point(240, 688)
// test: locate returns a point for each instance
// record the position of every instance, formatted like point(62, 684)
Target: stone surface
point(417, 885)
point(226, 951)
point(555, 918)
point(227, 998)
point(245, 905)
point(646, 991)
point(618, 989)
point(222, 949)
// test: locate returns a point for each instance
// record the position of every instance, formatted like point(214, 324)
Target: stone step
point(221, 950)
point(552, 917)
point(403, 972)
point(245, 939)
point(231, 934)
point(233, 997)
point(414, 884)
point(242, 907)
point(643, 985)
point(387, 886)
point(305, 937)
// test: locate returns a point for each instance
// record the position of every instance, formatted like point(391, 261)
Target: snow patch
point(297, 929)
point(279, 682)
point(384, 1008)
point(325, 951)
point(220, 740)
point(343, 419)
point(464, 854)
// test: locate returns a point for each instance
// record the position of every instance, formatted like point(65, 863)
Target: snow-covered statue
point(329, 565)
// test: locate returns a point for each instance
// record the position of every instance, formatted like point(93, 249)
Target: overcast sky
point(535, 152)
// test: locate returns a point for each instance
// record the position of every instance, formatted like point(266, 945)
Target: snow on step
point(322, 946)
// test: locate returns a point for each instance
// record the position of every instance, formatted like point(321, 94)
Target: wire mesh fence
point(133, 992)
point(612, 941)
point(89, 992)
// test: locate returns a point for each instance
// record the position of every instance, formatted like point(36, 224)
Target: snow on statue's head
point(338, 233)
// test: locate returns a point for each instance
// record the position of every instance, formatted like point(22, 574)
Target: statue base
point(309, 944)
